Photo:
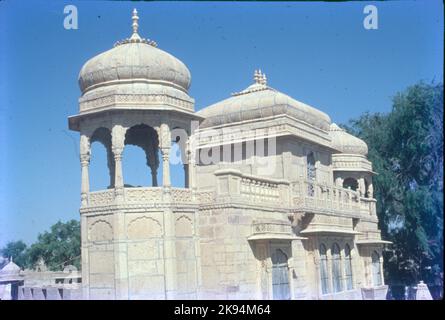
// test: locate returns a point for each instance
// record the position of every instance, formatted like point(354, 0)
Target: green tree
point(406, 148)
point(17, 251)
point(58, 247)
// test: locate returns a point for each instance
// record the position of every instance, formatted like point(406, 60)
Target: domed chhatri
point(347, 143)
point(10, 269)
point(261, 101)
point(134, 60)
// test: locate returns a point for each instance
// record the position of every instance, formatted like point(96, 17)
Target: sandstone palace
point(277, 201)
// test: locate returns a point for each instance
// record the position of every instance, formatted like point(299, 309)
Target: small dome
point(134, 60)
point(347, 143)
point(261, 101)
point(10, 269)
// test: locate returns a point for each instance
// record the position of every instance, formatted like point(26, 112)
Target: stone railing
point(181, 195)
point(101, 198)
point(315, 196)
point(259, 190)
point(141, 195)
point(251, 189)
point(206, 197)
point(368, 206)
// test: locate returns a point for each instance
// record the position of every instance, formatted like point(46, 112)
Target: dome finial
point(135, 21)
point(263, 80)
point(259, 77)
point(135, 25)
point(256, 76)
point(135, 36)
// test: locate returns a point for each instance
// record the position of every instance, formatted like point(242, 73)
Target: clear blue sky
point(318, 53)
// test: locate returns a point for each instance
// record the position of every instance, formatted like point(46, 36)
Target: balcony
point(236, 187)
point(319, 198)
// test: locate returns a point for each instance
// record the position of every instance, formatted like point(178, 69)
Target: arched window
point(280, 276)
point(324, 277)
point(376, 273)
point(350, 183)
point(336, 268)
point(348, 268)
point(311, 173)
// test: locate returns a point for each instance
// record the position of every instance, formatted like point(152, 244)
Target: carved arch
point(143, 228)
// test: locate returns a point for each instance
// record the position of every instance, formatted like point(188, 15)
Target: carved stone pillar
point(361, 187)
point(118, 138)
point(165, 143)
point(85, 186)
point(370, 191)
point(118, 178)
point(166, 167)
point(85, 152)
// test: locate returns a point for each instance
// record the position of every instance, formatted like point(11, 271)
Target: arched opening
point(336, 268)
point(350, 183)
point(141, 151)
point(376, 270)
point(348, 268)
point(101, 178)
point(280, 276)
point(324, 276)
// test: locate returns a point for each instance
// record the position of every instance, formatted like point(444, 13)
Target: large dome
point(260, 101)
point(134, 60)
point(347, 143)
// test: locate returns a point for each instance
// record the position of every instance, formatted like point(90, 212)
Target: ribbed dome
point(260, 101)
point(347, 143)
point(134, 60)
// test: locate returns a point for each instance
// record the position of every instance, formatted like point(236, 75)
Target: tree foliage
point(58, 247)
point(406, 149)
point(15, 250)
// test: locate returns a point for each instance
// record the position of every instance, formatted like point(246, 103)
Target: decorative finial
point(260, 84)
point(256, 76)
point(263, 80)
point(135, 36)
point(135, 21)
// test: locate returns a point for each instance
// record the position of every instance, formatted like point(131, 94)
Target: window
point(311, 173)
point(348, 268)
point(280, 276)
point(324, 278)
point(376, 274)
point(336, 268)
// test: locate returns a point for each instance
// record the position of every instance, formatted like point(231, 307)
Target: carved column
point(84, 163)
point(362, 187)
point(370, 191)
point(165, 151)
point(118, 178)
point(118, 138)
point(189, 165)
point(166, 167)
